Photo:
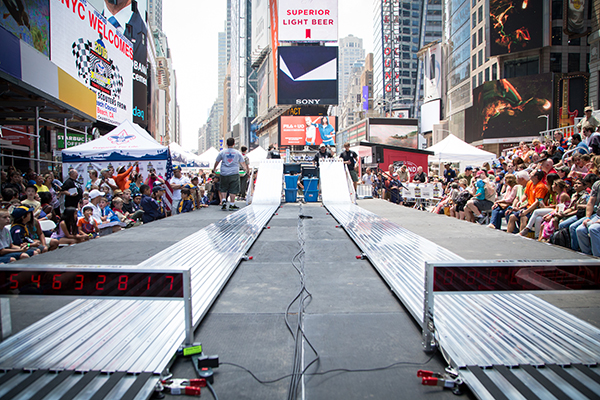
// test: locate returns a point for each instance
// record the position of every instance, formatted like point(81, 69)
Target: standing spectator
point(108, 182)
point(134, 185)
point(72, 190)
point(395, 186)
point(588, 119)
point(94, 180)
point(421, 177)
point(153, 177)
point(231, 160)
point(593, 140)
point(244, 177)
point(273, 152)
point(350, 159)
point(149, 205)
point(321, 154)
point(449, 173)
point(403, 174)
point(122, 178)
point(177, 182)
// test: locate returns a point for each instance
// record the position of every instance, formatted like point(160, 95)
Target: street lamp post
point(547, 122)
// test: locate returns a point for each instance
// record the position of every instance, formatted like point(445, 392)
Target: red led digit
point(101, 281)
point(148, 286)
point(14, 283)
point(56, 284)
point(471, 277)
point(494, 276)
point(78, 282)
point(448, 276)
point(513, 276)
point(33, 280)
point(122, 282)
point(171, 278)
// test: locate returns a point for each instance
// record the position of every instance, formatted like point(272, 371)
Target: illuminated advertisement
point(573, 22)
point(509, 108)
point(392, 28)
point(432, 69)
point(515, 26)
point(308, 20)
point(307, 75)
point(402, 135)
point(29, 21)
point(90, 49)
point(307, 131)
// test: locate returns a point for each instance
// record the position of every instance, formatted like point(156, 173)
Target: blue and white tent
point(122, 146)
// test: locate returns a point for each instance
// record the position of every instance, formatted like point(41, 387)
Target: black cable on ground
point(194, 359)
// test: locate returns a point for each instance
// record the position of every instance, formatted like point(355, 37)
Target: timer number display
point(110, 284)
point(515, 278)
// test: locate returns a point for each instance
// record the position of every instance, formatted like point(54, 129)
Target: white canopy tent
point(209, 156)
point(178, 154)
point(256, 156)
point(452, 149)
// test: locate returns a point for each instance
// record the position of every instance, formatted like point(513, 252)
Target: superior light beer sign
point(308, 20)
point(90, 49)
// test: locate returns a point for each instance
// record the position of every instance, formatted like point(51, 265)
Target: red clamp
point(187, 387)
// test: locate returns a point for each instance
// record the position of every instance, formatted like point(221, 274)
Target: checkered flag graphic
point(117, 80)
point(81, 52)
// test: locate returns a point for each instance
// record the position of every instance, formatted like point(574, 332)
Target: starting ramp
point(501, 345)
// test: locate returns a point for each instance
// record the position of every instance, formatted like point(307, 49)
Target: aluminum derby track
point(504, 346)
point(116, 349)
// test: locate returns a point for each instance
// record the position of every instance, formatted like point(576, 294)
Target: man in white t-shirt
point(177, 182)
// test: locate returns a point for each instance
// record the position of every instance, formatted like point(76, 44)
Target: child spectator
point(149, 205)
point(20, 229)
point(127, 203)
point(10, 252)
point(187, 201)
point(67, 231)
point(106, 211)
point(31, 193)
point(87, 225)
point(117, 209)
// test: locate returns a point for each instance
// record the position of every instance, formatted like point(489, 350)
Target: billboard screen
point(308, 20)
point(307, 131)
point(509, 108)
point(395, 135)
point(260, 26)
point(307, 75)
point(432, 68)
point(29, 21)
point(515, 26)
point(430, 115)
point(90, 49)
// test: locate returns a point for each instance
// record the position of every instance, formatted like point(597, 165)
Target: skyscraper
point(350, 51)
point(155, 14)
point(401, 28)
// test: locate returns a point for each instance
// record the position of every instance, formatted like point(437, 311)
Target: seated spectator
point(20, 229)
point(213, 194)
point(187, 201)
point(483, 198)
point(127, 202)
point(10, 197)
point(67, 231)
point(87, 225)
point(30, 200)
point(500, 206)
point(535, 193)
point(579, 168)
point(576, 209)
point(136, 206)
point(9, 251)
point(588, 232)
point(559, 197)
point(468, 174)
point(117, 209)
point(158, 193)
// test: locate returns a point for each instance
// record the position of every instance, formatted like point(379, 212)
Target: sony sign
point(307, 75)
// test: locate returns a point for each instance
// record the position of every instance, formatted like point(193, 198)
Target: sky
point(192, 28)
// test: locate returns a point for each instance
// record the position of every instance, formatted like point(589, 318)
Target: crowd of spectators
point(547, 190)
point(81, 208)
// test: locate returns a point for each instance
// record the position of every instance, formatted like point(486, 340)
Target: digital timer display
point(91, 283)
point(515, 278)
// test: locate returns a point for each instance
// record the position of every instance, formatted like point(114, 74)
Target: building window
point(575, 42)
point(406, 92)
point(556, 35)
point(574, 62)
point(474, 79)
point(480, 36)
point(557, 9)
point(480, 14)
point(556, 62)
point(487, 74)
point(474, 61)
point(474, 41)
point(480, 78)
point(494, 72)
point(473, 21)
point(521, 67)
point(406, 82)
point(480, 57)
point(473, 3)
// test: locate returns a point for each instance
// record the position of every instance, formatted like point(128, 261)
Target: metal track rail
point(126, 341)
point(472, 330)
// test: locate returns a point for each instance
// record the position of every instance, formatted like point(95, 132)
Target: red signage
point(16, 138)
